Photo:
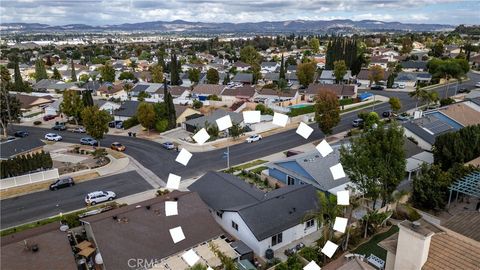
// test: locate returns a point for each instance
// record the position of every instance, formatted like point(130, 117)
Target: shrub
point(161, 192)
point(446, 101)
point(300, 111)
point(310, 253)
point(132, 121)
point(161, 125)
point(36, 123)
point(346, 101)
point(197, 104)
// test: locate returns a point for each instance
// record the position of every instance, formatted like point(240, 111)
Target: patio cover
point(206, 254)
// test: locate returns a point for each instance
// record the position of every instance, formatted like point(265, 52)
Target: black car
point(114, 124)
point(376, 87)
point(59, 127)
point(61, 183)
point(21, 134)
point(463, 90)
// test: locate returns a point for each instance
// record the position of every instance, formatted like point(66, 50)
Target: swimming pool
point(296, 106)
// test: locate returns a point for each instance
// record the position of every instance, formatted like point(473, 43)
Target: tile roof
point(19, 146)
point(246, 91)
point(208, 89)
point(338, 89)
point(144, 233)
point(328, 75)
point(274, 92)
point(463, 114)
point(363, 74)
point(109, 88)
point(465, 223)
point(28, 101)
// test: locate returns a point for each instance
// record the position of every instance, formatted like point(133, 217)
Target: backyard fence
point(26, 179)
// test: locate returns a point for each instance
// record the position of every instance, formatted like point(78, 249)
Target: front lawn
point(373, 247)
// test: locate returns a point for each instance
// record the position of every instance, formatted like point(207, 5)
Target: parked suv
point(59, 127)
point(21, 134)
point(254, 138)
point(49, 117)
point(95, 197)
point(114, 124)
point(88, 141)
point(357, 122)
point(61, 183)
point(53, 137)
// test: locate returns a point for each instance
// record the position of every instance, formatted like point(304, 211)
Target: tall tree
point(146, 115)
point(56, 74)
point(282, 69)
point(339, 70)
point(18, 85)
point(418, 94)
point(40, 71)
point(87, 98)
point(174, 71)
point(395, 104)
point(430, 187)
point(74, 74)
point(457, 147)
point(108, 73)
point(375, 74)
point(212, 76)
point(327, 112)
point(438, 49)
point(249, 55)
point(157, 73)
point(407, 45)
point(314, 45)
point(194, 75)
point(306, 73)
point(375, 161)
point(72, 104)
point(96, 122)
point(170, 107)
point(9, 108)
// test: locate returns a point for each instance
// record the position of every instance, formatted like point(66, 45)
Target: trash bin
point(134, 134)
point(129, 134)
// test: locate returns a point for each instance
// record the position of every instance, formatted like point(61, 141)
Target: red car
point(49, 117)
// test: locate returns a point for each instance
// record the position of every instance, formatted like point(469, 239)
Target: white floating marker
point(340, 224)
point(177, 234)
point(324, 148)
point(201, 136)
point(304, 130)
point(329, 249)
point(343, 197)
point(337, 171)
point(183, 157)
point(312, 266)
point(280, 119)
point(251, 117)
point(173, 181)
point(171, 208)
point(190, 257)
point(224, 122)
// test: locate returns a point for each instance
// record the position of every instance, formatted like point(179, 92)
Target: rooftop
point(19, 146)
point(338, 89)
point(465, 223)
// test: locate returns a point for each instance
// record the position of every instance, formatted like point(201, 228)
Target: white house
point(261, 220)
point(267, 67)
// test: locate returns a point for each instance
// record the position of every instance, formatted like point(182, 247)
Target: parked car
point(357, 122)
point(254, 138)
point(395, 85)
point(21, 133)
point(95, 197)
point(79, 130)
point(463, 90)
point(59, 127)
point(119, 125)
point(401, 85)
point(88, 141)
point(387, 113)
point(168, 145)
point(117, 146)
point(53, 137)
point(62, 182)
point(49, 117)
point(376, 87)
point(10, 138)
point(477, 84)
point(114, 124)
point(403, 117)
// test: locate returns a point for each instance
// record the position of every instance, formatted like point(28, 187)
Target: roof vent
point(317, 156)
point(34, 247)
point(114, 217)
point(175, 199)
point(148, 207)
point(416, 225)
point(294, 209)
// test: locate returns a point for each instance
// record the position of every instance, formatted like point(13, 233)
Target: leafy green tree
point(197, 104)
point(407, 45)
point(249, 55)
point(40, 71)
point(198, 266)
point(282, 69)
point(174, 71)
point(127, 76)
point(418, 94)
point(108, 73)
point(430, 187)
point(144, 56)
point(170, 107)
point(438, 49)
point(212, 76)
point(376, 74)
point(235, 131)
point(370, 119)
point(375, 161)
point(194, 75)
point(263, 109)
point(84, 78)
point(74, 75)
point(390, 80)
point(143, 95)
point(56, 74)
point(72, 104)
point(339, 70)
point(146, 115)
point(457, 147)
point(291, 61)
point(448, 69)
point(306, 73)
point(157, 73)
point(395, 104)
point(10, 107)
point(315, 45)
point(327, 111)
point(96, 122)
point(87, 98)
point(18, 85)
point(226, 79)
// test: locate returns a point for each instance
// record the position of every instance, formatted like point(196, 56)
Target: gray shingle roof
point(211, 119)
point(19, 146)
point(414, 64)
point(243, 77)
point(128, 108)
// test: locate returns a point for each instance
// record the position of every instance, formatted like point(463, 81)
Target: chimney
point(413, 246)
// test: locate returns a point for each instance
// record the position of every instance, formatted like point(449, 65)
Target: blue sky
point(102, 12)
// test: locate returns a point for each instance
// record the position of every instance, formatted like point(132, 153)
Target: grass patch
point(32, 115)
point(245, 166)
point(300, 111)
point(360, 106)
point(372, 247)
point(86, 176)
point(259, 170)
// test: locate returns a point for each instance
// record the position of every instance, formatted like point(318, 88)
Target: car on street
point(53, 137)
point(21, 134)
point(59, 127)
point(387, 113)
point(95, 197)
point(395, 85)
point(477, 84)
point(463, 90)
point(168, 145)
point(49, 117)
point(401, 85)
point(62, 182)
point(114, 124)
point(376, 87)
point(117, 147)
point(79, 130)
point(357, 122)
point(254, 138)
point(88, 141)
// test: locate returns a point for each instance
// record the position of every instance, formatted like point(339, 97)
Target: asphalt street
point(48, 203)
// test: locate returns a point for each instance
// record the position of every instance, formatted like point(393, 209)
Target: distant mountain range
point(179, 26)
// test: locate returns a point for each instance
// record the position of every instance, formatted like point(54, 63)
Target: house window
point(234, 225)
point(277, 239)
point(219, 214)
point(309, 223)
point(290, 180)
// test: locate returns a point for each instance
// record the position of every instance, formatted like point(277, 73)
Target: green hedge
point(132, 121)
point(24, 164)
point(300, 111)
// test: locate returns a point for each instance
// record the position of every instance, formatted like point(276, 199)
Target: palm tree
point(431, 96)
point(418, 94)
point(355, 202)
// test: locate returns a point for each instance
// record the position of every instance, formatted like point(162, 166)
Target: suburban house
point(127, 110)
point(183, 112)
point(241, 93)
point(363, 77)
point(267, 67)
point(203, 91)
point(327, 77)
point(142, 231)
point(428, 246)
point(271, 77)
point(414, 66)
point(18, 147)
point(30, 102)
point(291, 69)
point(41, 248)
point(341, 90)
point(241, 66)
point(272, 94)
point(154, 90)
point(245, 78)
point(263, 221)
point(92, 86)
point(106, 105)
point(198, 123)
point(44, 85)
point(109, 90)
point(308, 168)
point(446, 119)
point(411, 79)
